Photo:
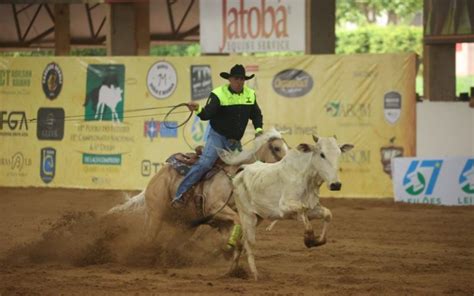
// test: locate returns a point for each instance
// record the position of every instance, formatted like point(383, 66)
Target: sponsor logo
point(252, 83)
point(201, 81)
point(199, 130)
point(421, 176)
point(339, 109)
point(169, 129)
point(102, 159)
point(151, 129)
point(292, 83)
point(165, 129)
point(466, 178)
point(149, 167)
point(386, 155)
point(50, 124)
point(15, 78)
point(356, 156)
point(162, 80)
point(100, 180)
point(13, 123)
point(14, 120)
point(267, 22)
point(105, 93)
point(16, 162)
point(48, 164)
point(52, 81)
point(392, 105)
point(296, 129)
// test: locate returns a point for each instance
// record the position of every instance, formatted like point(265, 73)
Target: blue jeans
point(206, 160)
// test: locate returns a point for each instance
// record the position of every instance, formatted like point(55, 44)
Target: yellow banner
point(100, 122)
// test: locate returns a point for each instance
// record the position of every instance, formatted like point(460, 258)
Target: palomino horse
point(209, 198)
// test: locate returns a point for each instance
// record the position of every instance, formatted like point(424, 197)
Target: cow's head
point(325, 159)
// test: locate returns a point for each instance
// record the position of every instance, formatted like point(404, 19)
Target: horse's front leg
point(321, 212)
point(234, 266)
point(229, 216)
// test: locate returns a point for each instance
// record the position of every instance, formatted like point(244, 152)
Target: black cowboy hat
point(236, 71)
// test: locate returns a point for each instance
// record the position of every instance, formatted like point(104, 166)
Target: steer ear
point(315, 138)
point(303, 147)
point(346, 147)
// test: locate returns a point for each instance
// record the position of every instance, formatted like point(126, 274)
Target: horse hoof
point(227, 252)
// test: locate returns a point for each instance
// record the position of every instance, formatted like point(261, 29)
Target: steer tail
point(133, 204)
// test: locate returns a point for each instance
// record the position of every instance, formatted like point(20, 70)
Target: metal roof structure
point(31, 25)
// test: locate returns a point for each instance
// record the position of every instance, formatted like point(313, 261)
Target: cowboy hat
point(236, 71)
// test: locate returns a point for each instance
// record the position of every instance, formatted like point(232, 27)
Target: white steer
point(287, 189)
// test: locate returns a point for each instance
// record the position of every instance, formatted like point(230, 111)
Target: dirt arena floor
point(57, 242)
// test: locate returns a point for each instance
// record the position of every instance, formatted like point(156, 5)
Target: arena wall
point(99, 122)
point(444, 129)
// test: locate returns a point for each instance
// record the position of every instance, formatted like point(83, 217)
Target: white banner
point(252, 25)
point(445, 181)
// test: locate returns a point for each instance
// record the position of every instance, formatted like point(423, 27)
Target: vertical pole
point(62, 34)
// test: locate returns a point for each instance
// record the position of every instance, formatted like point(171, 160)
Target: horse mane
point(236, 158)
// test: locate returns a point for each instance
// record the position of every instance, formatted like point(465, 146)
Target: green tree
point(363, 12)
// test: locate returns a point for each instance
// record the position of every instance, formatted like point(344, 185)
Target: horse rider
point(229, 108)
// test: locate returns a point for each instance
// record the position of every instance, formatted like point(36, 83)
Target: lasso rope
point(165, 122)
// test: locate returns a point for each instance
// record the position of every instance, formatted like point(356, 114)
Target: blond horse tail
point(132, 205)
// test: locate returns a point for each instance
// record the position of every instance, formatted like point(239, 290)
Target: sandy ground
point(56, 241)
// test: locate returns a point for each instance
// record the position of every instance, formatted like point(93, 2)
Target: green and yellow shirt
point(229, 112)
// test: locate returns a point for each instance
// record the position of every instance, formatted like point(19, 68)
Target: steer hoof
point(320, 242)
point(311, 241)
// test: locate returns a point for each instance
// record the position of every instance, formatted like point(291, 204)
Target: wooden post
point(320, 26)
point(62, 34)
point(142, 20)
point(439, 72)
point(121, 39)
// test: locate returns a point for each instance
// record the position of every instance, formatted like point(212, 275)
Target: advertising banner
point(252, 25)
point(441, 181)
point(101, 123)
